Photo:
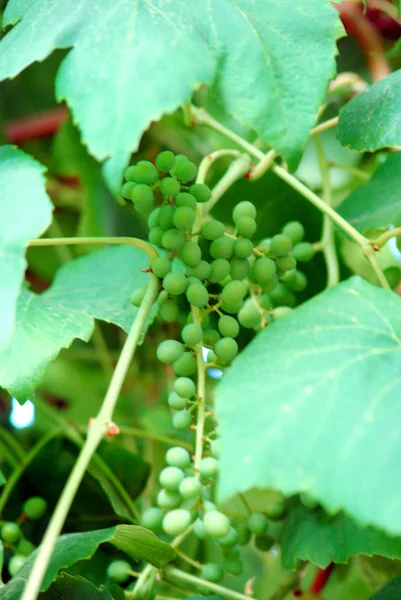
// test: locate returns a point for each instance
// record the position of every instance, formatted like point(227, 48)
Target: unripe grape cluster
point(223, 282)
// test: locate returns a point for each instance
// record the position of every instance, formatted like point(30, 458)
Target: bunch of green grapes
point(222, 282)
point(11, 533)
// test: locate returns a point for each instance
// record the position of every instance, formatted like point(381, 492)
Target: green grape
point(119, 571)
point(185, 199)
point(270, 286)
point(197, 295)
point(283, 296)
point(264, 542)
point(208, 506)
point(175, 401)
point(168, 500)
point(184, 218)
point(230, 540)
point(201, 192)
point(210, 337)
point(244, 535)
point(178, 457)
point(246, 226)
point(212, 230)
point(231, 553)
point(182, 419)
point(264, 245)
point(175, 283)
point(217, 525)
point(129, 173)
point(169, 186)
point(239, 268)
point(208, 467)
point(200, 530)
point(228, 326)
point(212, 572)
point(153, 219)
point(192, 334)
point(233, 292)
point(219, 269)
point(226, 349)
point(190, 254)
point(295, 231)
point(142, 193)
point(215, 448)
point(393, 276)
point(172, 239)
point(308, 501)
point(183, 386)
point(185, 366)
point(15, 563)
point(211, 357)
point(233, 566)
point(286, 263)
point(186, 171)
point(265, 302)
point(144, 208)
point(168, 311)
point(275, 507)
point(233, 307)
point(280, 245)
point(201, 271)
point(263, 269)
point(222, 247)
point(161, 266)
point(126, 189)
point(257, 523)
point(156, 235)
point(34, 508)
point(176, 521)
point(243, 248)
point(169, 351)
point(190, 487)
point(165, 161)
point(165, 218)
point(10, 533)
point(180, 160)
point(25, 548)
point(194, 281)
point(303, 252)
point(296, 280)
point(249, 316)
point(138, 295)
point(145, 172)
point(244, 209)
point(280, 312)
point(170, 478)
point(152, 518)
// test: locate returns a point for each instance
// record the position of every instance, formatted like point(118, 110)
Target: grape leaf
point(96, 286)
point(256, 60)
point(25, 212)
point(313, 536)
point(311, 405)
point(2, 479)
point(67, 587)
point(138, 543)
point(391, 591)
point(377, 203)
point(372, 120)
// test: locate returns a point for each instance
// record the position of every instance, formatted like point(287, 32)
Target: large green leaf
point(391, 591)
point(2, 479)
point(312, 405)
point(132, 61)
point(25, 212)
point(96, 286)
point(313, 536)
point(138, 543)
point(67, 587)
point(372, 120)
point(377, 203)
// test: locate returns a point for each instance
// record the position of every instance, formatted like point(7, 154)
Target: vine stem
point(325, 125)
point(214, 587)
point(96, 431)
point(328, 236)
point(386, 236)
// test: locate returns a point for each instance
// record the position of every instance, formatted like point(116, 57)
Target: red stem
point(35, 126)
point(367, 36)
point(321, 578)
